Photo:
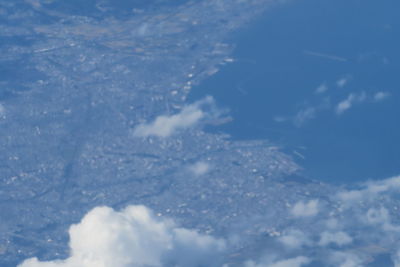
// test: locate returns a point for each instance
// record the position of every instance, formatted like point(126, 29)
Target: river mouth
point(319, 79)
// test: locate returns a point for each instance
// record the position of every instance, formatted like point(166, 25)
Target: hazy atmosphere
point(221, 133)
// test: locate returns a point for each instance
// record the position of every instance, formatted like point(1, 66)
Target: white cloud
point(324, 55)
point(347, 103)
point(339, 238)
point(369, 190)
point(143, 29)
point(381, 217)
point(199, 168)
point(308, 209)
point(380, 96)
point(292, 262)
point(332, 223)
point(2, 110)
point(321, 89)
point(351, 196)
point(377, 216)
point(280, 118)
point(310, 112)
point(294, 239)
point(134, 237)
point(345, 259)
point(343, 106)
point(164, 125)
point(354, 98)
point(396, 259)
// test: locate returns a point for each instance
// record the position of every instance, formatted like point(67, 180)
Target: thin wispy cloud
point(342, 82)
point(310, 112)
point(280, 119)
point(396, 259)
point(325, 55)
point(292, 262)
point(345, 259)
point(348, 103)
point(380, 96)
point(2, 110)
point(303, 116)
point(321, 89)
point(358, 98)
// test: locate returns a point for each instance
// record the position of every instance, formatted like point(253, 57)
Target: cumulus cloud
point(134, 237)
point(369, 193)
point(199, 168)
point(369, 190)
point(292, 262)
point(338, 238)
point(345, 259)
point(167, 125)
point(347, 103)
point(305, 209)
point(377, 216)
point(294, 239)
point(381, 217)
point(351, 196)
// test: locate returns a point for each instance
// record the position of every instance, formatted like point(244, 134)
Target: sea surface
point(295, 65)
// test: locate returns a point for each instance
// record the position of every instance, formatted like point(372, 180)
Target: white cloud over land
point(292, 262)
point(134, 237)
point(2, 110)
point(305, 209)
point(199, 168)
point(294, 239)
point(338, 238)
point(167, 125)
point(370, 191)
